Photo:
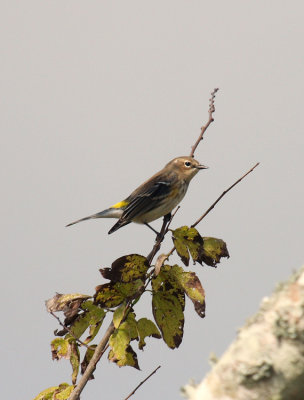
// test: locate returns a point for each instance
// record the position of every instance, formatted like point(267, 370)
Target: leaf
point(131, 324)
point(145, 329)
point(112, 294)
point(189, 282)
point(46, 394)
point(60, 348)
point(121, 352)
point(87, 358)
point(97, 316)
point(74, 360)
point(92, 316)
point(119, 314)
point(187, 240)
point(202, 249)
point(127, 269)
point(214, 250)
point(68, 303)
point(128, 358)
point(159, 263)
point(67, 348)
point(61, 392)
point(168, 305)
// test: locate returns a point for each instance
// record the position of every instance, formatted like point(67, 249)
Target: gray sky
point(96, 96)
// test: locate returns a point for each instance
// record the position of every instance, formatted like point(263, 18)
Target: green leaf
point(127, 358)
point(187, 240)
point(121, 352)
point(168, 305)
point(214, 250)
point(127, 269)
point(112, 294)
point(68, 303)
point(208, 250)
point(131, 324)
point(87, 358)
point(74, 360)
point(61, 392)
point(92, 317)
point(119, 314)
point(67, 348)
point(189, 282)
point(46, 394)
point(97, 316)
point(60, 348)
point(145, 329)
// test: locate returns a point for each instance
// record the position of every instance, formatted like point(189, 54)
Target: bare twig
point(222, 195)
point(69, 330)
point(204, 127)
point(101, 347)
point(141, 383)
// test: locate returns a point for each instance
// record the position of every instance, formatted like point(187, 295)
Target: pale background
point(96, 96)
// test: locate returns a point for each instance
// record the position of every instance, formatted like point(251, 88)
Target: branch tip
point(210, 120)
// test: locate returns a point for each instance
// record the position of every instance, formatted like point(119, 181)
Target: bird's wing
point(145, 198)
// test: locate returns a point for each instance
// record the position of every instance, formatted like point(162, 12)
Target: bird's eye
point(187, 163)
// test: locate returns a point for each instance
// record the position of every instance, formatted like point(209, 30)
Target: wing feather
point(146, 199)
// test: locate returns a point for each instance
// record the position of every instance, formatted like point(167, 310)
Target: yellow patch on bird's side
point(120, 204)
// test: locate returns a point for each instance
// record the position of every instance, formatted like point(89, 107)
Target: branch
point(222, 195)
point(160, 237)
point(141, 383)
point(204, 127)
point(101, 347)
point(266, 360)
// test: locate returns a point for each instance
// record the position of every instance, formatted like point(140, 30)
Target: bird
point(155, 198)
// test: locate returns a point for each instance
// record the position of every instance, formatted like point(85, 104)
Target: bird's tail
point(108, 213)
point(119, 224)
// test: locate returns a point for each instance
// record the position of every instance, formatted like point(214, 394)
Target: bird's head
point(187, 167)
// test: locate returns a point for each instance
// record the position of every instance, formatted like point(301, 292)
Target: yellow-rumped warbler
point(154, 198)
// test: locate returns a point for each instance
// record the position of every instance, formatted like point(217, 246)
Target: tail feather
point(79, 220)
point(119, 224)
point(108, 213)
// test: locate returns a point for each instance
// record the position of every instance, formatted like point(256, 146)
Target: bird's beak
point(200, 166)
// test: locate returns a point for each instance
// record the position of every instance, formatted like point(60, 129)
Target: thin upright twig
point(141, 383)
point(210, 120)
point(222, 195)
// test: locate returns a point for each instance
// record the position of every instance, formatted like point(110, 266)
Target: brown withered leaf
point(159, 263)
point(68, 303)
